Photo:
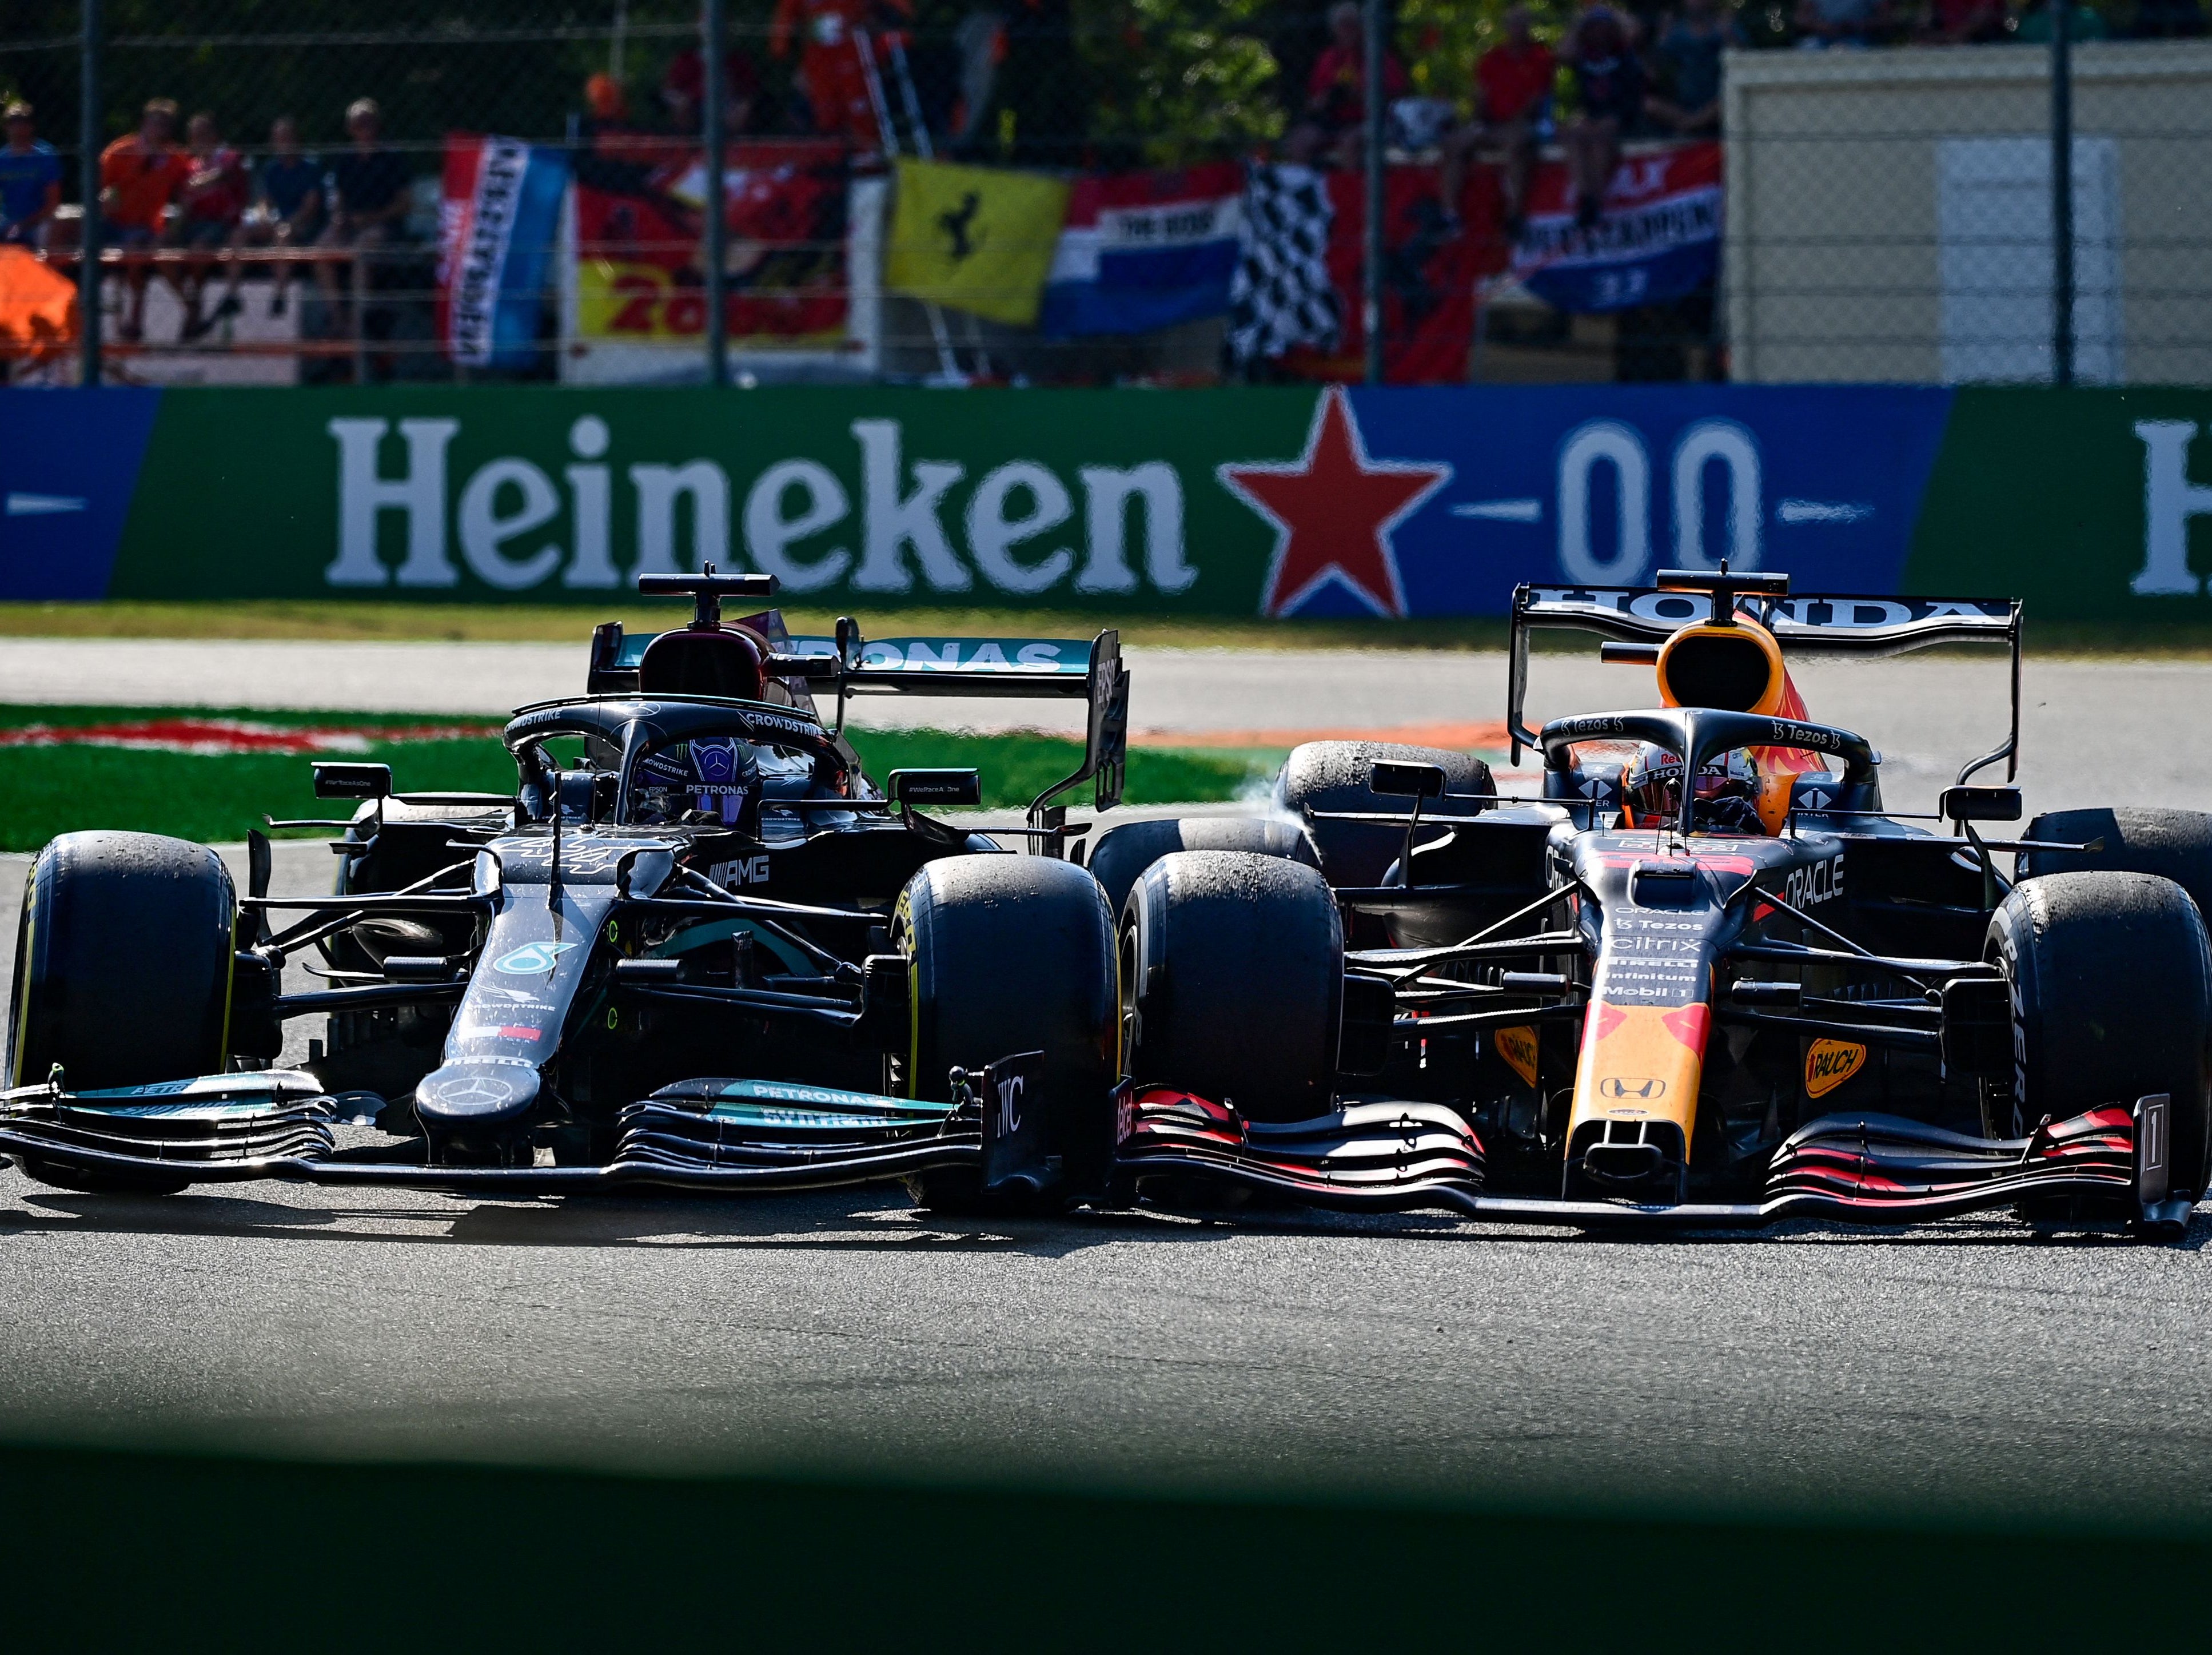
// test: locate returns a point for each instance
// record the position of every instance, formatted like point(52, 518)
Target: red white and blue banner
point(1141, 250)
point(1659, 238)
point(502, 205)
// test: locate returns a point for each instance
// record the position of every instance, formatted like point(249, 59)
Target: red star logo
point(1333, 511)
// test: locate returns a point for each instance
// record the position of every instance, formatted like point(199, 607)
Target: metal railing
point(2106, 260)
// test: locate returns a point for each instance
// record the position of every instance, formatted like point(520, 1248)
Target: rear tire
point(1123, 852)
point(1334, 775)
point(1232, 982)
point(2174, 844)
point(1009, 954)
point(123, 972)
point(2112, 989)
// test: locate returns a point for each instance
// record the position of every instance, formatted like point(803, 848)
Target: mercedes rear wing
point(1803, 623)
point(848, 664)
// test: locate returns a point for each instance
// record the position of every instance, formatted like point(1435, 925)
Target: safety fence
point(1163, 191)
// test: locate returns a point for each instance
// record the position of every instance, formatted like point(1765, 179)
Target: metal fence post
point(1370, 307)
point(718, 322)
point(88, 131)
point(2062, 192)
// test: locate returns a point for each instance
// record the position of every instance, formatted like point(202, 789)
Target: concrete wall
point(1888, 214)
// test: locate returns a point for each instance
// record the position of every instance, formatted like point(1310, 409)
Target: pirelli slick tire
point(1010, 954)
point(1337, 775)
point(123, 972)
point(2174, 844)
point(2111, 994)
point(1123, 852)
point(1232, 982)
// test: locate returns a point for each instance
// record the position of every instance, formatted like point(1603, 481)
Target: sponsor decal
point(747, 870)
point(910, 536)
point(1334, 511)
point(471, 1091)
point(1009, 1106)
point(1829, 1063)
point(715, 760)
point(1642, 1088)
point(531, 959)
point(1815, 884)
point(961, 654)
point(1517, 1046)
point(786, 1091)
point(502, 1031)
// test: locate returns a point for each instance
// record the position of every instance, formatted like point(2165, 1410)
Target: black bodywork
point(512, 981)
point(1663, 1024)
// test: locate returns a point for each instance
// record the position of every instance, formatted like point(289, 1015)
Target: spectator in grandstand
point(1688, 58)
point(835, 65)
point(1851, 24)
point(2087, 23)
point(1513, 106)
point(140, 175)
point(369, 187)
point(30, 179)
point(1609, 87)
point(209, 206)
point(684, 91)
point(1335, 117)
point(287, 212)
point(1961, 22)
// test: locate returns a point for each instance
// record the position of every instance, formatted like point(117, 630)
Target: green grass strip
point(44, 791)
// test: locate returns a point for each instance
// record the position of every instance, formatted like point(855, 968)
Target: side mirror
point(1407, 781)
point(941, 788)
point(353, 781)
point(1971, 804)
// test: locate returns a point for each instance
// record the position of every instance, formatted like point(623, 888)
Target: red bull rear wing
point(1835, 623)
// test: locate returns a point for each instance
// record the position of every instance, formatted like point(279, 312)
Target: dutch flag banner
point(1144, 250)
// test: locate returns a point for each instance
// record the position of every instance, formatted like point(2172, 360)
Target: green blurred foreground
point(145, 1551)
point(44, 791)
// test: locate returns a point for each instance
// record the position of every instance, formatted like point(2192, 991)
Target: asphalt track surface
point(1969, 1370)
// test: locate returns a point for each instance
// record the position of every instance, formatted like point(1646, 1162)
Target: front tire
point(1232, 982)
point(2112, 989)
point(123, 972)
point(1010, 954)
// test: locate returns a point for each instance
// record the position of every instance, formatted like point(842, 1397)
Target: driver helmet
point(709, 779)
point(1727, 791)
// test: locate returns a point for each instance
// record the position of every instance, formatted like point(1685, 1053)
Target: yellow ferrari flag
point(974, 239)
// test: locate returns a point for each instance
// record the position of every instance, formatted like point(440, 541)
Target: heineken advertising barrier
point(1280, 501)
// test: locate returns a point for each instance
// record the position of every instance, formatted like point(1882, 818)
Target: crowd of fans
point(1637, 69)
point(1583, 82)
point(201, 196)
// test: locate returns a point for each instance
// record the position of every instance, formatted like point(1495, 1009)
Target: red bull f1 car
point(697, 948)
point(1701, 977)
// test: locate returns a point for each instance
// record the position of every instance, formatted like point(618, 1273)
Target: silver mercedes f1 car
point(697, 947)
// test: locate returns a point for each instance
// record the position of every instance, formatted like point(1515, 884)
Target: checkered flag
point(1282, 296)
